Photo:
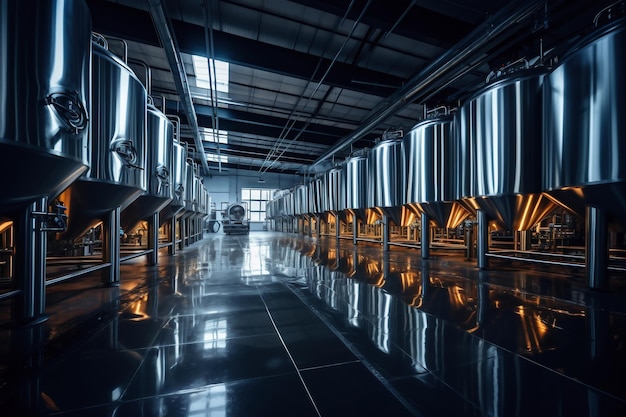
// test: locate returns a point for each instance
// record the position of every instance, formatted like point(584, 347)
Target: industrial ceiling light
point(261, 180)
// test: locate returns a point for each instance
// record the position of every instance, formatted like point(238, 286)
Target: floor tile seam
point(455, 325)
point(529, 360)
point(502, 348)
point(360, 357)
point(328, 365)
point(293, 362)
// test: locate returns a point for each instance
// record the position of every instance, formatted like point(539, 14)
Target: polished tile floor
point(273, 324)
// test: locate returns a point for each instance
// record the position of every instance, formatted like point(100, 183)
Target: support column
point(425, 243)
point(30, 265)
point(337, 226)
point(153, 239)
point(318, 226)
point(468, 234)
point(355, 229)
point(524, 240)
point(171, 250)
point(385, 233)
point(182, 230)
point(597, 249)
point(111, 248)
point(482, 239)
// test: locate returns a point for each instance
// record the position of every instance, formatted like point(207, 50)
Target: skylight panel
point(201, 69)
point(213, 157)
point(208, 135)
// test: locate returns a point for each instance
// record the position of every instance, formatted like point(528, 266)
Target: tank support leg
point(30, 265)
point(153, 239)
point(385, 233)
point(425, 244)
point(111, 248)
point(482, 239)
point(597, 250)
point(183, 230)
point(172, 236)
point(355, 229)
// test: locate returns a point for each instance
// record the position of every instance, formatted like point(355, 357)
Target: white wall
point(226, 186)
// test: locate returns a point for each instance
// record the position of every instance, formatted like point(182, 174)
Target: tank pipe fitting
point(55, 221)
point(124, 46)
point(148, 73)
point(99, 39)
point(606, 9)
point(503, 70)
point(176, 122)
point(435, 111)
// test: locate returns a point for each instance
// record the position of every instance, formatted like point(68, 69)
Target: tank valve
point(53, 221)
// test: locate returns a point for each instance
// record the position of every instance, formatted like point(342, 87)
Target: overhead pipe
point(210, 51)
point(291, 122)
point(170, 46)
point(441, 72)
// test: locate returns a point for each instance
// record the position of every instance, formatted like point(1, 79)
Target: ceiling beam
point(168, 41)
point(449, 66)
point(132, 24)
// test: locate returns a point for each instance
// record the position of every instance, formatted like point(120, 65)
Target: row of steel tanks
point(82, 145)
point(539, 147)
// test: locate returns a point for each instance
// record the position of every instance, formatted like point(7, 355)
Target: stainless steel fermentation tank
point(500, 131)
point(355, 180)
point(117, 152)
point(584, 159)
point(159, 169)
point(191, 192)
point(430, 163)
point(385, 182)
point(44, 98)
point(179, 184)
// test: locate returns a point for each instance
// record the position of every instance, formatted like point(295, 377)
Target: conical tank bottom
point(400, 215)
point(445, 214)
point(366, 216)
point(345, 216)
point(88, 201)
point(517, 212)
point(173, 208)
point(140, 209)
point(53, 173)
point(610, 197)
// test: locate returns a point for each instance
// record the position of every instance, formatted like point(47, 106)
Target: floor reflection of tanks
point(452, 299)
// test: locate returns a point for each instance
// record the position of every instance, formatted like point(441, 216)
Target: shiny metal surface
point(179, 179)
point(355, 179)
point(301, 201)
point(332, 190)
point(117, 156)
point(584, 146)
point(430, 164)
point(44, 98)
point(501, 142)
point(316, 187)
point(190, 190)
point(385, 181)
point(159, 169)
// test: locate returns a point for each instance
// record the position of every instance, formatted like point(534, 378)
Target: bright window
point(220, 77)
point(213, 157)
point(257, 199)
point(208, 135)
